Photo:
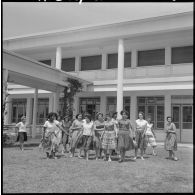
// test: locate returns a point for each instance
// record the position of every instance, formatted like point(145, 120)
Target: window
point(91, 62)
point(187, 117)
point(18, 109)
point(68, 64)
point(42, 110)
point(182, 55)
point(151, 57)
point(153, 107)
point(112, 102)
point(47, 62)
point(112, 60)
point(90, 105)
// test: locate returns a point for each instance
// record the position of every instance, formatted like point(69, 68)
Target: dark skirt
point(65, 139)
point(124, 141)
point(22, 137)
point(171, 142)
point(141, 142)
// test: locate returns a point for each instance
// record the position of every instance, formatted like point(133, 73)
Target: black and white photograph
point(97, 97)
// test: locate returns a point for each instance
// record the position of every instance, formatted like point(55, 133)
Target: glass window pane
point(91, 62)
point(111, 100)
point(160, 113)
point(127, 60)
point(141, 100)
point(151, 100)
point(151, 113)
point(151, 57)
point(160, 100)
point(112, 61)
point(68, 64)
point(187, 113)
point(187, 125)
point(160, 125)
point(47, 62)
point(182, 55)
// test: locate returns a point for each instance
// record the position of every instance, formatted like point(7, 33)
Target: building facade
point(144, 65)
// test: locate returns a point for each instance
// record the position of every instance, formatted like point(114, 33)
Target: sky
point(26, 18)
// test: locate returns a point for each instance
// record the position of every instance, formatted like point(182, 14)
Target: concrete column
point(167, 55)
point(51, 103)
point(56, 97)
point(167, 106)
point(133, 109)
point(5, 97)
point(104, 61)
point(133, 58)
point(77, 64)
point(7, 116)
point(103, 104)
point(35, 113)
point(120, 76)
point(29, 110)
point(58, 57)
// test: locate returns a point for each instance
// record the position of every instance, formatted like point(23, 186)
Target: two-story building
point(142, 65)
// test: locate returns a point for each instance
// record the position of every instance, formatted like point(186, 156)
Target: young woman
point(171, 139)
point(51, 135)
point(76, 131)
point(150, 136)
point(88, 132)
point(109, 137)
point(125, 135)
point(66, 123)
point(22, 134)
point(140, 138)
point(99, 127)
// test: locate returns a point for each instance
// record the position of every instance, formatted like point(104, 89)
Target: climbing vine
point(69, 92)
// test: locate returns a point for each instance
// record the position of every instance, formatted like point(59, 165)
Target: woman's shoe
point(120, 160)
point(135, 158)
point(142, 158)
point(175, 159)
point(109, 160)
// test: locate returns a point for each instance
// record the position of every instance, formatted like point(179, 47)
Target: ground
point(30, 172)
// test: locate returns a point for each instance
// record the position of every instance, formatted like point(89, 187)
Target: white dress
point(150, 136)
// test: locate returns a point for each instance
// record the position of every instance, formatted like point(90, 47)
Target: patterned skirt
point(171, 142)
point(85, 142)
point(109, 140)
point(97, 140)
point(141, 142)
point(151, 140)
point(125, 142)
point(75, 139)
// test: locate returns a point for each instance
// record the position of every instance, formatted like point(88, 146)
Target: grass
point(30, 172)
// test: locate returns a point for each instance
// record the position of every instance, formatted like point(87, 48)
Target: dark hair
point(78, 115)
point(140, 112)
point(169, 117)
point(114, 114)
point(52, 114)
point(61, 117)
point(88, 116)
point(124, 111)
point(99, 113)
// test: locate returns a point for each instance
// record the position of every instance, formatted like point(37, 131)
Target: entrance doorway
point(89, 105)
point(182, 115)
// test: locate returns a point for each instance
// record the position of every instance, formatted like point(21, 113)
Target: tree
point(69, 92)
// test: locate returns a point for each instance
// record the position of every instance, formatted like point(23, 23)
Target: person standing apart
point(140, 138)
point(171, 139)
point(125, 135)
point(88, 132)
point(76, 131)
point(22, 134)
point(99, 127)
point(109, 137)
point(150, 136)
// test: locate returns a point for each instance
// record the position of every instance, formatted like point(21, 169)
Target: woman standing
point(150, 136)
point(88, 132)
point(140, 138)
point(66, 123)
point(76, 131)
point(109, 137)
point(125, 135)
point(22, 134)
point(51, 135)
point(171, 139)
point(99, 127)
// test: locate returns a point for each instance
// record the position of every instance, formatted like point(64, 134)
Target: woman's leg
point(153, 150)
point(105, 154)
point(87, 154)
point(170, 154)
point(123, 155)
point(109, 158)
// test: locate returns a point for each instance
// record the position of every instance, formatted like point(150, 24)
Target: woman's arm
point(172, 129)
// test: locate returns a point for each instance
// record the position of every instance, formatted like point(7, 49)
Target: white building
point(153, 72)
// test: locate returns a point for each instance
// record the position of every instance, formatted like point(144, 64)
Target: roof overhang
point(28, 72)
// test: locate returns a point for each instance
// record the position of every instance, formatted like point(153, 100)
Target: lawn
point(30, 172)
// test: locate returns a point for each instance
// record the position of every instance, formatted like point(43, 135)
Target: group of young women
point(107, 136)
